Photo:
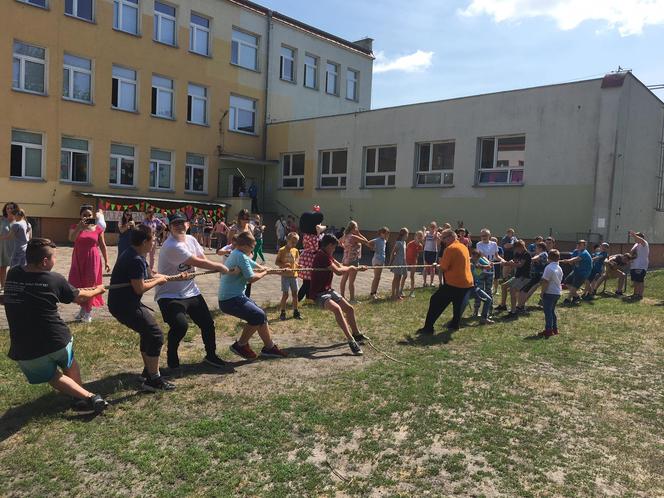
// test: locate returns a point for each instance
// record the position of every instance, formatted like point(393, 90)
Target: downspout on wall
point(267, 82)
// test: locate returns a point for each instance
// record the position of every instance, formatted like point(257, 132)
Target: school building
point(122, 102)
point(576, 160)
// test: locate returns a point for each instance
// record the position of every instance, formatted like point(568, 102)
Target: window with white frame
point(333, 168)
point(242, 115)
point(502, 160)
point(162, 97)
point(77, 78)
point(332, 78)
point(195, 173)
point(380, 166)
point(352, 84)
point(83, 9)
point(29, 68)
point(244, 49)
point(199, 34)
point(26, 154)
point(161, 168)
point(435, 163)
point(36, 3)
point(311, 71)
point(121, 171)
point(125, 16)
point(123, 92)
point(197, 104)
point(165, 23)
point(74, 160)
point(292, 170)
point(287, 64)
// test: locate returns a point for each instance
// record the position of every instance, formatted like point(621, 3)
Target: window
point(287, 64)
point(242, 115)
point(195, 175)
point(199, 34)
point(332, 79)
point(244, 50)
point(74, 160)
point(121, 172)
point(197, 104)
point(380, 166)
point(292, 170)
point(310, 71)
point(162, 97)
point(502, 160)
point(36, 3)
point(160, 169)
point(352, 78)
point(124, 89)
point(29, 68)
point(125, 15)
point(83, 9)
point(165, 23)
point(77, 78)
point(435, 164)
point(333, 166)
point(26, 155)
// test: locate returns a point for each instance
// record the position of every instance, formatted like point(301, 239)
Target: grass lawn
point(484, 412)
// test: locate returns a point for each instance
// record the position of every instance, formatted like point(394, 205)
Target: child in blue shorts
point(40, 341)
point(599, 255)
point(233, 301)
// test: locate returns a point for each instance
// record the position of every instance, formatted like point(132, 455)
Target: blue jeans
point(485, 284)
point(549, 303)
point(482, 296)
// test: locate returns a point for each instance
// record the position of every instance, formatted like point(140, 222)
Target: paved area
point(267, 290)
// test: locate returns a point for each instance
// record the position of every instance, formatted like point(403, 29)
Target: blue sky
point(465, 47)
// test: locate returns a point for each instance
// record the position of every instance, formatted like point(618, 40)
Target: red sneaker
point(273, 352)
point(244, 351)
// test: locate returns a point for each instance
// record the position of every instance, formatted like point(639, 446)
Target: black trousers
point(304, 290)
point(440, 299)
point(175, 311)
point(140, 320)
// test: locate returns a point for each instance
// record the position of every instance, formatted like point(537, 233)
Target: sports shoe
point(144, 375)
point(512, 314)
point(157, 384)
point(567, 301)
point(587, 297)
point(576, 300)
point(355, 348)
point(520, 310)
point(360, 338)
point(619, 293)
point(486, 321)
point(282, 315)
point(297, 315)
point(215, 361)
point(93, 404)
point(86, 317)
point(273, 352)
point(500, 307)
point(424, 331)
point(244, 351)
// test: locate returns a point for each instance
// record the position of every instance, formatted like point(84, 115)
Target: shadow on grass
point(416, 339)
point(313, 352)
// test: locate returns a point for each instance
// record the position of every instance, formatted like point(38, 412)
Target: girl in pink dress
point(86, 269)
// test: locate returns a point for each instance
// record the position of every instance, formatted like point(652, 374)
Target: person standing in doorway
point(253, 194)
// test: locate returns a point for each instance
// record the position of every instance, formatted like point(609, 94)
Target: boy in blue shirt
point(599, 255)
point(583, 265)
point(233, 301)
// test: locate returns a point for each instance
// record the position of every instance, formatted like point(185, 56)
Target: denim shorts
point(42, 369)
point(324, 297)
point(289, 284)
point(245, 309)
point(638, 276)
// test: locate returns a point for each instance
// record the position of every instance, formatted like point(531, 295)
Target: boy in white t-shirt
point(551, 284)
point(488, 249)
point(177, 299)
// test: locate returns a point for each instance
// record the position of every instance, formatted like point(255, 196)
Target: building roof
point(306, 27)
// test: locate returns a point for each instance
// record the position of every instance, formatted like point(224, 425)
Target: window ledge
point(76, 101)
point(257, 71)
point(47, 8)
point(331, 94)
point(89, 21)
point(312, 88)
point(27, 178)
point(207, 56)
point(433, 186)
point(356, 101)
point(243, 133)
point(290, 188)
point(118, 30)
point(331, 188)
point(69, 182)
point(379, 187)
point(483, 185)
point(128, 187)
point(154, 189)
point(205, 125)
point(292, 82)
point(124, 110)
point(194, 192)
point(165, 118)
point(165, 44)
point(28, 92)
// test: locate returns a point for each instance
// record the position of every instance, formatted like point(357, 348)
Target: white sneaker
point(86, 317)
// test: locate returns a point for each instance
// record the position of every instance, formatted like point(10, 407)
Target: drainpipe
point(267, 82)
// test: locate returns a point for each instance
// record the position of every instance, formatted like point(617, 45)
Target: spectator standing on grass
point(259, 230)
point(6, 241)
point(398, 258)
point(641, 252)
point(40, 341)
point(431, 241)
point(551, 285)
point(583, 265)
point(455, 265)
point(414, 250)
point(19, 233)
point(157, 227)
point(379, 246)
point(220, 229)
point(280, 230)
point(288, 257)
point(125, 225)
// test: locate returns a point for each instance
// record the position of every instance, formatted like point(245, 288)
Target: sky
point(437, 49)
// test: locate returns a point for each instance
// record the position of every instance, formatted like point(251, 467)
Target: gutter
point(266, 107)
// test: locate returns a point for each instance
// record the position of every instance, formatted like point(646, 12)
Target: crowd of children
point(41, 342)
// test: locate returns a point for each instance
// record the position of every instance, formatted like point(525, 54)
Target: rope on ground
point(386, 355)
point(337, 473)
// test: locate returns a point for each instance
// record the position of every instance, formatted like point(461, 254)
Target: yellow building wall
point(99, 123)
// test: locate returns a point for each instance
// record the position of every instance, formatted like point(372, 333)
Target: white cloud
point(628, 16)
point(417, 61)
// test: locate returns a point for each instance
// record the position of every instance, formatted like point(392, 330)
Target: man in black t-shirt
point(521, 263)
point(40, 341)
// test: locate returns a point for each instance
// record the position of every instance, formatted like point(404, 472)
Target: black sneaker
point(619, 293)
point(511, 315)
point(215, 361)
point(424, 331)
point(576, 300)
point(172, 360)
point(297, 315)
point(282, 315)
point(360, 338)
point(93, 404)
point(144, 375)
point(500, 307)
point(157, 384)
point(520, 310)
point(355, 348)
